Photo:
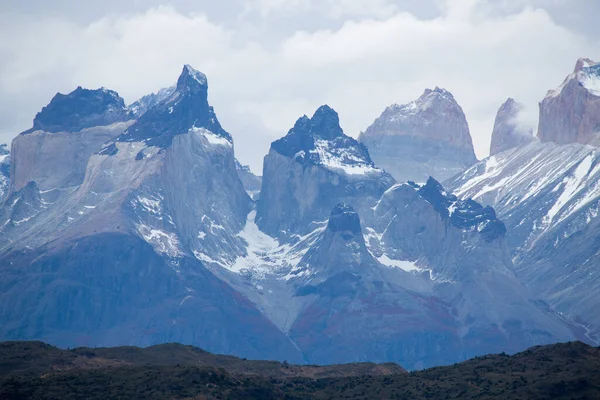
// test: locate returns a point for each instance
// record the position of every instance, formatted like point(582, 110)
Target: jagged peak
point(324, 124)
point(511, 106)
point(429, 99)
point(81, 92)
point(510, 102)
point(191, 79)
point(180, 112)
point(586, 74)
point(438, 91)
point(321, 141)
point(463, 214)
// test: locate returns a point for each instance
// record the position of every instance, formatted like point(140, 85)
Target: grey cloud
point(268, 66)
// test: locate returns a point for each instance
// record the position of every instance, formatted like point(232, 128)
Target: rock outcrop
point(426, 137)
point(571, 113)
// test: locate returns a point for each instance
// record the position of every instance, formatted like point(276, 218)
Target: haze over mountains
point(136, 225)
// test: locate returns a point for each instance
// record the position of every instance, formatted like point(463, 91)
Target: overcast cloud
point(270, 61)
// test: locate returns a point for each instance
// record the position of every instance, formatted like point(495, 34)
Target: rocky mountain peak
point(311, 170)
point(438, 93)
point(507, 132)
point(464, 214)
point(325, 123)
point(192, 80)
point(80, 109)
point(571, 113)
point(184, 109)
point(582, 63)
point(345, 220)
point(321, 141)
point(426, 137)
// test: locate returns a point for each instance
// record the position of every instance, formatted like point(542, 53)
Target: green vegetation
point(33, 370)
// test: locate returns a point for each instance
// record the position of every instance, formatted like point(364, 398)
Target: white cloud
point(358, 67)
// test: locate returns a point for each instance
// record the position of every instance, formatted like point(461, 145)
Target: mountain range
point(136, 225)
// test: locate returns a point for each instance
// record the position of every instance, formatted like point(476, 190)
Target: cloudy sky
point(270, 61)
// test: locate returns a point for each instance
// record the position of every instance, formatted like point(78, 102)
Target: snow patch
point(572, 185)
point(211, 137)
point(266, 256)
point(342, 160)
point(590, 79)
point(197, 75)
point(163, 242)
point(407, 266)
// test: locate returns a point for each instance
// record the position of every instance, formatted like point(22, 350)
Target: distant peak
point(439, 91)
point(511, 105)
point(191, 79)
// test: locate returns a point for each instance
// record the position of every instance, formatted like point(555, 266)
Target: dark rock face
point(186, 108)
point(80, 109)
point(426, 137)
point(312, 140)
point(571, 113)
point(344, 219)
point(313, 168)
point(507, 133)
point(464, 214)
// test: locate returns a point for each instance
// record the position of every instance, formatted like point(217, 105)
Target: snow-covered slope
point(548, 195)
point(426, 137)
